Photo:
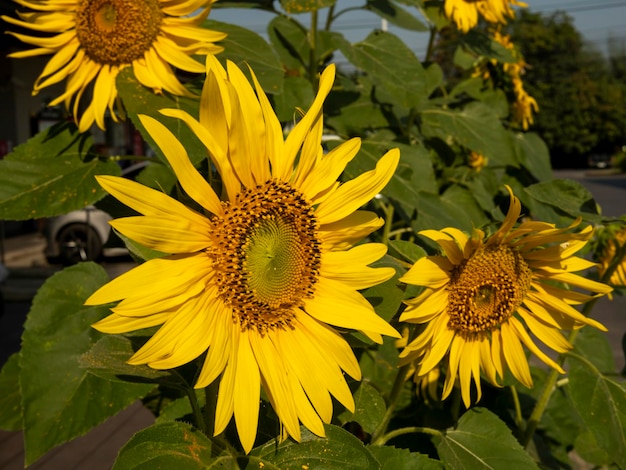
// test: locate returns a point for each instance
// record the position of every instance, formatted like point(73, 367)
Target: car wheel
point(78, 242)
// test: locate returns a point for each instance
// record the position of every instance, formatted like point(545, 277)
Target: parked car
point(82, 235)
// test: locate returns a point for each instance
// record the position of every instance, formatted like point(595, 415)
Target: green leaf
point(601, 403)
point(414, 173)
point(392, 458)
point(386, 297)
point(587, 447)
point(246, 48)
point(297, 93)
point(289, 39)
point(533, 154)
point(10, 396)
point(594, 346)
point(51, 174)
point(475, 127)
point(408, 251)
point(303, 6)
point(481, 441)
point(395, 15)
point(566, 196)
point(392, 66)
point(180, 408)
point(339, 450)
point(60, 399)
point(169, 446)
point(141, 100)
point(483, 45)
point(434, 212)
point(351, 110)
point(107, 359)
point(369, 409)
point(457, 196)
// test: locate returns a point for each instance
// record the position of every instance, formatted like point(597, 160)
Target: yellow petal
point(191, 181)
point(354, 193)
point(514, 355)
point(246, 393)
point(429, 271)
point(338, 305)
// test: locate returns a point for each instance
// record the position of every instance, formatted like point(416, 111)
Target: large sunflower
point(93, 40)
point(484, 293)
point(261, 277)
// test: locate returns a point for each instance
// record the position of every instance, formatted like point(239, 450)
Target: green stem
point(210, 404)
point(388, 209)
point(329, 17)
point(408, 430)
point(431, 44)
point(518, 409)
point(195, 408)
point(393, 402)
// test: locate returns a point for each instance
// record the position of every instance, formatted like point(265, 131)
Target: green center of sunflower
point(117, 32)
point(485, 290)
point(267, 255)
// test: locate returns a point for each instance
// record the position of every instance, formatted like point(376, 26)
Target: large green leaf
point(339, 450)
point(483, 45)
point(392, 458)
point(60, 399)
point(395, 15)
point(51, 174)
point(170, 445)
point(566, 196)
point(601, 403)
point(533, 154)
point(289, 39)
point(247, 48)
point(594, 346)
point(392, 66)
point(481, 441)
point(297, 93)
point(10, 396)
point(475, 127)
point(369, 409)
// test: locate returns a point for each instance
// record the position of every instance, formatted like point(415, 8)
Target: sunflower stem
point(394, 395)
point(408, 430)
point(518, 409)
point(195, 408)
point(388, 210)
point(210, 404)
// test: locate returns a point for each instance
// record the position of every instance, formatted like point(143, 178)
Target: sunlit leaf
point(392, 66)
point(339, 450)
point(481, 441)
point(303, 6)
point(60, 399)
point(51, 174)
point(246, 48)
point(475, 127)
point(392, 458)
point(601, 403)
point(369, 409)
point(170, 445)
point(566, 196)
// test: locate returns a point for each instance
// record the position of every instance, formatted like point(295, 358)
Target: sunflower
point(613, 244)
point(262, 278)
point(465, 13)
point(482, 295)
point(93, 40)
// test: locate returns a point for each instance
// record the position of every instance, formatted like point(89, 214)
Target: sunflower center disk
point(485, 290)
point(116, 32)
point(268, 256)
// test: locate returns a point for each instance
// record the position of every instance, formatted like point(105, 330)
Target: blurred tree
point(581, 94)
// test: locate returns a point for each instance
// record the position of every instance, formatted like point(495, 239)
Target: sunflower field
point(347, 256)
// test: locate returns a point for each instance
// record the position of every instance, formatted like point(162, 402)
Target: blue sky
point(597, 20)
